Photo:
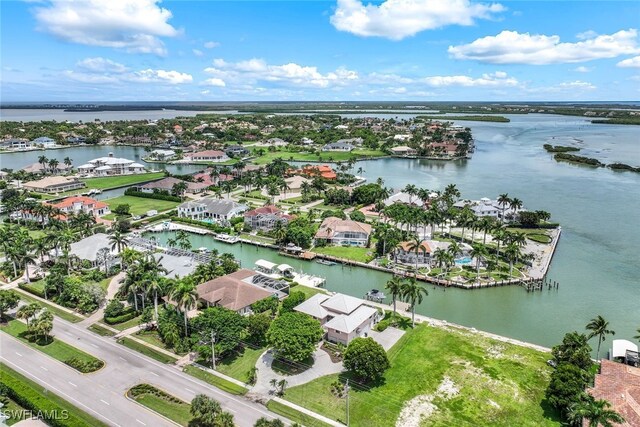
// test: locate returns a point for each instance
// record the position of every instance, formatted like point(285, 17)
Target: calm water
point(36, 115)
point(597, 261)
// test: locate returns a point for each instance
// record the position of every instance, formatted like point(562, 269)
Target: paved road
point(103, 393)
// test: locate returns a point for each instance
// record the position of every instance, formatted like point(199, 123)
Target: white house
point(488, 207)
point(343, 317)
point(214, 156)
point(44, 142)
point(338, 146)
point(162, 154)
point(110, 165)
point(221, 210)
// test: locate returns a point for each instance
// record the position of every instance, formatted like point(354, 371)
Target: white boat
point(325, 262)
point(203, 250)
point(227, 238)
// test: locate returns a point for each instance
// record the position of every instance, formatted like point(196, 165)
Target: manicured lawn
point(239, 365)
point(46, 400)
point(126, 325)
point(347, 252)
point(261, 239)
point(214, 380)
point(141, 348)
point(293, 415)
point(325, 156)
point(161, 402)
point(101, 330)
point(139, 205)
point(14, 410)
point(53, 347)
point(494, 383)
point(153, 338)
point(120, 181)
point(69, 317)
point(308, 291)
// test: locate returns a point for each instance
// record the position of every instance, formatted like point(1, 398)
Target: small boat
point(375, 295)
point(325, 262)
point(203, 250)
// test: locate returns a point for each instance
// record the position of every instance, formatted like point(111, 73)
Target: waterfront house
point(343, 317)
point(404, 198)
point(619, 384)
point(214, 156)
point(265, 218)
point(324, 171)
point(167, 184)
point(220, 210)
point(338, 146)
point(236, 151)
point(82, 204)
point(44, 142)
point(16, 144)
point(295, 183)
point(235, 291)
point(54, 184)
point(110, 165)
point(343, 232)
point(43, 169)
point(404, 151)
point(488, 207)
point(405, 254)
point(94, 249)
point(162, 155)
point(206, 178)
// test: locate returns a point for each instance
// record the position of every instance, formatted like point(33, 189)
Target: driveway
point(388, 337)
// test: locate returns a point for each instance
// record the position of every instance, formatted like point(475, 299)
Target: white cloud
point(577, 84)
point(511, 47)
point(589, 34)
point(499, 78)
point(397, 19)
point(582, 69)
point(133, 25)
point(160, 76)
point(214, 82)
point(630, 63)
point(254, 70)
point(197, 52)
point(211, 45)
point(101, 65)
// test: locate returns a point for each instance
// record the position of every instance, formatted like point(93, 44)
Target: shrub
point(120, 319)
point(84, 366)
point(158, 196)
point(357, 216)
point(114, 309)
point(294, 298)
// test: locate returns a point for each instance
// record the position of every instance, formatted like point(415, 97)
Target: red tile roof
point(70, 201)
point(619, 384)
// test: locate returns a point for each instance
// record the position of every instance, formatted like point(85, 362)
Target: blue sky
point(423, 50)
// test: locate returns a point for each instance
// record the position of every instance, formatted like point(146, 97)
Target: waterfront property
point(236, 151)
point(109, 166)
point(490, 208)
point(214, 156)
point(404, 151)
point(619, 384)
point(162, 155)
point(342, 232)
point(343, 317)
point(404, 198)
point(44, 142)
point(406, 252)
point(338, 146)
point(168, 184)
point(96, 249)
point(16, 144)
point(323, 171)
point(54, 184)
point(82, 204)
point(265, 218)
point(220, 210)
point(43, 169)
point(237, 291)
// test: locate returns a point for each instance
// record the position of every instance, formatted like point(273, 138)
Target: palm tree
point(512, 252)
point(413, 293)
point(41, 247)
point(67, 161)
point(515, 204)
point(395, 288)
point(598, 327)
point(185, 296)
point(43, 162)
point(53, 164)
point(454, 249)
point(156, 286)
point(637, 337)
point(485, 225)
point(503, 201)
point(596, 412)
point(479, 252)
point(417, 245)
point(27, 312)
point(25, 259)
point(118, 241)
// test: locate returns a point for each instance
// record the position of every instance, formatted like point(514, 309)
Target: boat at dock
point(226, 238)
point(375, 295)
point(325, 262)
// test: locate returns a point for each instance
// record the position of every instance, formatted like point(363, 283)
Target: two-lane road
point(103, 392)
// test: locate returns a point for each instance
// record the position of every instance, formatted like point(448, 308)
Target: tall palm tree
point(41, 247)
point(599, 327)
point(413, 293)
point(479, 252)
point(515, 204)
point(53, 164)
point(454, 249)
point(395, 288)
point(118, 240)
point(512, 252)
point(503, 201)
point(595, 412)
point(185, 296)
point(43, 162)
point(486, 225)
point(67, 161)
point(25, 259)
point(416, 245)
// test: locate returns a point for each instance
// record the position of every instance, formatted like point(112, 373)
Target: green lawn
point(128, 324)
point(308, 291)
point(161, 402)
point(497, 384)
point(101, 330)
point(141, 348)
point(325, 156)
point(45, 400)
point(239, 365)
point(14, 410)
point(53, 347)
point(293, 415)
point(139, 205)
point(121, 180)
point(347, 252)
point(214, 380)
point(153, 338)
point(57, 311)
point(261, 239)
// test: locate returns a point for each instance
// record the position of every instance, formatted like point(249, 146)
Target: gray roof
point(88, 247)
point(349, 323)
point(215, 206)
point(339, 145)
point(176, 265)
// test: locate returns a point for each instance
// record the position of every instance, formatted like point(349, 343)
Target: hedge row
point(84, 366)
point(167, 197)
point(25, 394)
point(31, 290)
point(120, 319)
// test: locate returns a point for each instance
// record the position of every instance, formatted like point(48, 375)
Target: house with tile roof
point(234, 291)
point(54, 184)
point(166, 184)
point(82, 204)
point(343, 317)
point(215, 156)
point(619, 384)
point(265, 218)
point(343, 232)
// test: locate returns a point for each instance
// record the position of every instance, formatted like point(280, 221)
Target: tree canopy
point(366, 358)
point(294, 336)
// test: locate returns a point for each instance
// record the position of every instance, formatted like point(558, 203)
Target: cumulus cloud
point(211, 45)
point(582, 69)
point(254, 70)
point(101, 65)
point(397, 19)
point(499, 78)
point(214, 82)
point(630, 63)
point(511, 47)
point(160, 76)
point(132, 25)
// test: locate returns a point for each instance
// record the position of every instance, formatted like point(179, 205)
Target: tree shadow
point(549, 412)
point(360, 384)
point(288, 367)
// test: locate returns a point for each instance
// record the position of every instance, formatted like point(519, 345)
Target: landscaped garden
point(443, 377)
point(161, 402)
point(139, 205)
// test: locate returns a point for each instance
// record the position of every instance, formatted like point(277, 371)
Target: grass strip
point(59, 350)
point(121, 180)
point(215, 380)
point(161, 402)
point(31, 395)
point(295, 415)
point(101, 330)
point(147, 351)
point(69, 317)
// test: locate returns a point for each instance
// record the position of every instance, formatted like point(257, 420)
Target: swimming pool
point(463, 261)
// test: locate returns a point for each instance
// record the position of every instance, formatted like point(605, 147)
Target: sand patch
point(420, 407)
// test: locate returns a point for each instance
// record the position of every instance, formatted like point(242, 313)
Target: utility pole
point(213, 350)
point(346, 389)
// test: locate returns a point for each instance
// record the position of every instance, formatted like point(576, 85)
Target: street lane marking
point(140, 422)
point(106, 403)
point(94, 345)
point(122, 358)
point(72, 384)
point(18, 354)
point(189, 390)
point(153, 373)
point(44, 368)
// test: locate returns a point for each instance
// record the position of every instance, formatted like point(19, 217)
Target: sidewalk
point(112, 290)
